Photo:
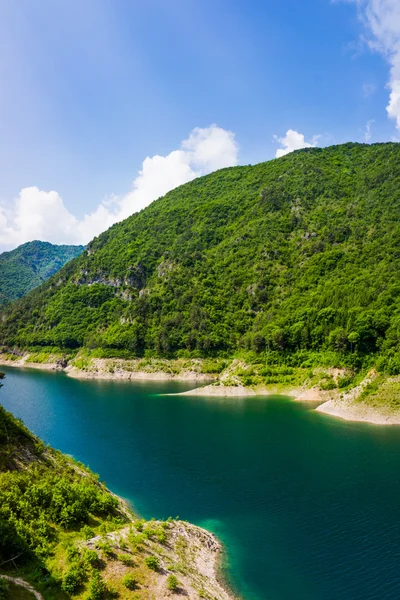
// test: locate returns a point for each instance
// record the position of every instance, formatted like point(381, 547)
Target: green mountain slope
point(29, 265)
point(292, 256)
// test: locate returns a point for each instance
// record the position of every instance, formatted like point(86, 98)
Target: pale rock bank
point(344, 406)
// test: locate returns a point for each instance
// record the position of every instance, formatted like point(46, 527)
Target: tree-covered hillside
point(296, 255)
point(29, 265)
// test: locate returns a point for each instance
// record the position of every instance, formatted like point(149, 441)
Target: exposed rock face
point(135, 278)
point(61, 363)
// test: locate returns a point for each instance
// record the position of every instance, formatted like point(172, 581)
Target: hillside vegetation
point(30, 265)
point(295, 260)
point(68, 536)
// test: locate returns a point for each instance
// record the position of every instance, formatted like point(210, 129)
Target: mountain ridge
point(29, 265)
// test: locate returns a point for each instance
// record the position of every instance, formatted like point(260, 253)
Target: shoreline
point(361, 413)
point(205, 549)
point(101, 369)
point(172, 542)
point(342, 406)
point(213, 543)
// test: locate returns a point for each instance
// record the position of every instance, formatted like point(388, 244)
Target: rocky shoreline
point(197, 549)
point(111, 369)
point(344, 406)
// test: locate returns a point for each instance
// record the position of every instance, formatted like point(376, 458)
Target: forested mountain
point(29, 265)
point(292, 256)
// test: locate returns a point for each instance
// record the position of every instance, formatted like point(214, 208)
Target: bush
point(152, 562)
point(137, 540)
point(105, 548)
point(327, 385)
point(91, 558)
point(139, 524)
point(161, 537)
point(344, 381)
point(214, 367)
point(129, 581)
point(4, 588)
point(172, 583)
point(87, 532)
point(73, 579)
point(126, 559)
point(97, 587)
point(72, 554)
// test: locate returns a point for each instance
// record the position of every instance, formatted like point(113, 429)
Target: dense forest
point(285, 258)
point(29, 265)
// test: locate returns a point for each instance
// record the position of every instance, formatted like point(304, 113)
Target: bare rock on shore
point(221, 390)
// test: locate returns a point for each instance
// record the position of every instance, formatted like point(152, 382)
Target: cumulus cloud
point(382, 19)
point(37, 214)
point(293, 141)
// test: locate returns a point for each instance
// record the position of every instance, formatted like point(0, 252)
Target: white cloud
point(37, 214)
point(367, 131)
point(382, 19)
point(293, 141)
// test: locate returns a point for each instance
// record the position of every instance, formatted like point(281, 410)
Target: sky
point(105, 105)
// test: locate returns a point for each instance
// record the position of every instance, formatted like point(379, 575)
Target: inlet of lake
point(308, 507)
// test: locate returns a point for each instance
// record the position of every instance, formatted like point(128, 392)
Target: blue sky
point(90, 88)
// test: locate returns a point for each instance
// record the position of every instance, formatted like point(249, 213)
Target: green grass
point(382, 393)
point(17, 592)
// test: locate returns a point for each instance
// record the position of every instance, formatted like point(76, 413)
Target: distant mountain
point(296, 255)
point(29, 265)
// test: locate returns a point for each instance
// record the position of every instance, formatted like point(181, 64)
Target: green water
point(307, 506)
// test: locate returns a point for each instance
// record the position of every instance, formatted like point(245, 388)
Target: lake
point(308, 507)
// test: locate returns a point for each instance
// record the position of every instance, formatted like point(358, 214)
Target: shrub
point(126, 559)
point(213, 367)
point(344, 381)
point(72, 554)
point(129, 581)
point(139, 525)
point(327, 385)
point(106, 548)
point(91, 558)
point(4, 588)
point(97, 587)
point(152, 562)
point(137, 540)
point(87, 532)
point(161, 537)
point(73, 579)
point(172, 583)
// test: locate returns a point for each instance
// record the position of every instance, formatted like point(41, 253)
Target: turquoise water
point(307, 506)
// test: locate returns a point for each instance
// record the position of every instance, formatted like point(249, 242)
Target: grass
point(383, 393)
point(42, 357)
point(16, 592)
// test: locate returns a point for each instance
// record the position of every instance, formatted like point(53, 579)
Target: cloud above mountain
point(293, 141)
point(39, 214)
